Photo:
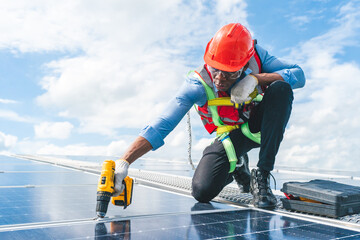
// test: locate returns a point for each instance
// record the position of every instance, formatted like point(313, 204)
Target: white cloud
point(126, 59)
point(300, 20)
point(37, 25)
point(76, 149)
point(133, 55)
point(115, 148)
point(13, 116)
point(7, 141)
point(57, 130)
point(324, 128)
point(179, 139)
point(202, 143)
point(229, 11)
point(7, 101)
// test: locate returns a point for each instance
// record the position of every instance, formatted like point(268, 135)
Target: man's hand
point(121, 171)
point(241, 91)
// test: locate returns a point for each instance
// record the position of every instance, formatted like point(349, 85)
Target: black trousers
point(270, 117)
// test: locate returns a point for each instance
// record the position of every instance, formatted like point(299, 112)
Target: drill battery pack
point(125, 198)
point(321, 197)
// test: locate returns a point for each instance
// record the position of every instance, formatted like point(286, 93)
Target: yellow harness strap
point(223, 101)
point(225, 129)
point(226, 101)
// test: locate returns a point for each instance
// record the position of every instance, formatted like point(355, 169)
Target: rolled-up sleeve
point(153, 136)
point(291, 73)
point(191, 92)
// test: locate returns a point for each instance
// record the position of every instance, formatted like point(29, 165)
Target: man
point(245, 96)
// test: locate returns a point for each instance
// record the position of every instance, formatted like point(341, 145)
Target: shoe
point(242, 175)
point(260, 189)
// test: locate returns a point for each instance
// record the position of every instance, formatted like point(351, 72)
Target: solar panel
point(239, 224)
point(61, 205)
point(46, 178)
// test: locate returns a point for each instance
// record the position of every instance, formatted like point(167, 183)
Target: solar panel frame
point(61, 205)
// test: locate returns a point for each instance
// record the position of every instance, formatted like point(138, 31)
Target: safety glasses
point(227, 75)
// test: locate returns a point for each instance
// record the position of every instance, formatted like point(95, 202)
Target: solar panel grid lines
point(65, 209)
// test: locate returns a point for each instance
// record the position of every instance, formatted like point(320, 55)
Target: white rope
point(190, 140)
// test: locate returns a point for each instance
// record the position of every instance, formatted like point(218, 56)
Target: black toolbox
point(322, 197)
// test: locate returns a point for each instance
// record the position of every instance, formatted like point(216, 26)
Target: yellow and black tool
point(106, 189)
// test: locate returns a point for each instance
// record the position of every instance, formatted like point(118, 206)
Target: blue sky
point(83, 78)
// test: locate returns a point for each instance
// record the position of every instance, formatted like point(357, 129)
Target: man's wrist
point(123, 159)
point(256, 77)
point(267, 78)
point(122, 162)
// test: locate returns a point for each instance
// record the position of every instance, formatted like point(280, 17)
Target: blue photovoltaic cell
point(47, 178)
point(62, 206)
point(240, 224)
point(43, 204)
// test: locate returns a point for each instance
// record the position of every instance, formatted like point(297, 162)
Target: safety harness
point(219, 112)
point(223, 130)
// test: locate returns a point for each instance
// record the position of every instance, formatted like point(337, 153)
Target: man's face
point(224, 80)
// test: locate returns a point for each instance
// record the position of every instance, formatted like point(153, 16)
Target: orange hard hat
point(230, 49)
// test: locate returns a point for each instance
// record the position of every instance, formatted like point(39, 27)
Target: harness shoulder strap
point(210, 95)
point(205, 76)
point(224, 138)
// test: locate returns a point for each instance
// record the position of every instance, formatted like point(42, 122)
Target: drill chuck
point(103, 199)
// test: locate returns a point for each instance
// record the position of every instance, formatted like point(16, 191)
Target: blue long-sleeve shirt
point(192, 92)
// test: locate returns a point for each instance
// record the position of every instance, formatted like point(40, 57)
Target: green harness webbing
point(224, 137)
point(256, 137)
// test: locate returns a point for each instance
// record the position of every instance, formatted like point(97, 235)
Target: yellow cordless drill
point(106, 189)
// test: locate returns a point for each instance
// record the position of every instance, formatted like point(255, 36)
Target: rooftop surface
point(47, 197)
